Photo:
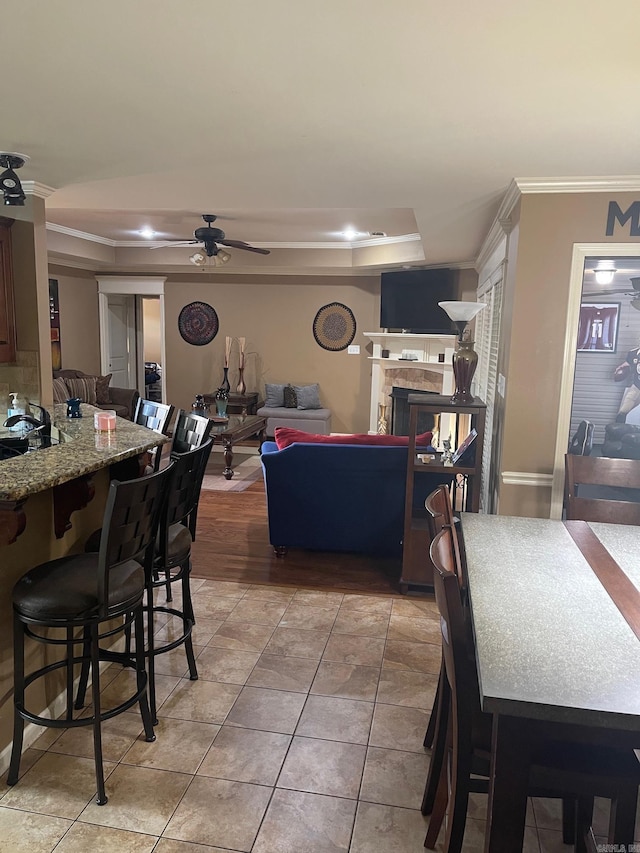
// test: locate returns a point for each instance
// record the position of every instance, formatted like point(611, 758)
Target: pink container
point(105, 421)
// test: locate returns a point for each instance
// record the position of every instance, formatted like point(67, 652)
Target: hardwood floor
point(232, 543)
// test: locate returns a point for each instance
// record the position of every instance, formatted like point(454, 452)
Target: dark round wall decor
point(334, 326)
point(198, 323)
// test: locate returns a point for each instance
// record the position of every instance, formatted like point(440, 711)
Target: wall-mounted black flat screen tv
point(409, 300)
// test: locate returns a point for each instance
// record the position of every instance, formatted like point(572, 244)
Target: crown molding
point(81, 235)
point(356, 244)
point(611, 183)
point(37, 189)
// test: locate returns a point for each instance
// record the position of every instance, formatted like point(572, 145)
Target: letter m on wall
point(616, 214)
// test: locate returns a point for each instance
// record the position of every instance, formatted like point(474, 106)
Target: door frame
point(131, 286)
point(581, 251)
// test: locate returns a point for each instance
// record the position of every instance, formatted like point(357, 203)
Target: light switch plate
point(353, 349)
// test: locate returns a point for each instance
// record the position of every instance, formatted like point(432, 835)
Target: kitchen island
point(51, 500)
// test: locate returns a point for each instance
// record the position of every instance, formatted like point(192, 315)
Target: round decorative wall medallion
point(198, 323)
point(334, 326)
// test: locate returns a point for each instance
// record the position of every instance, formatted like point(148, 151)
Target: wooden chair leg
point(438, 752)
point(439, 809)
point(583, 812)
point(569, 815)
point(431, 727)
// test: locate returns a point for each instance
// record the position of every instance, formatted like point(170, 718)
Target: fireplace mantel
point(431, 369)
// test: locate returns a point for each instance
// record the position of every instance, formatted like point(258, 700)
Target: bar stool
point(84, 591)
point(189, 432)
point(172, 561)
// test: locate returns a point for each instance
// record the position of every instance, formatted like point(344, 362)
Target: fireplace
point(400, 412)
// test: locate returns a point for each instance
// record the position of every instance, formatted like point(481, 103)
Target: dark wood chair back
point(614, 476)
point(189, 431)
point(440, 514)
point(155, 416)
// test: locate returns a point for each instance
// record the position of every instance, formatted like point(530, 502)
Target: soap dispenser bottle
point(15, 409)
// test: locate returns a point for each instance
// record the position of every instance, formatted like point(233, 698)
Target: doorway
point(603, 324)
point(131, 312)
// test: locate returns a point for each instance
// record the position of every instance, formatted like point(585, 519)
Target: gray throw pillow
point(308, 396)
point(273, 396)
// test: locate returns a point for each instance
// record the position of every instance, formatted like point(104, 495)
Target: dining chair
point(599, 488)
point(86, 598)
point(561, 769)
point(439, 514)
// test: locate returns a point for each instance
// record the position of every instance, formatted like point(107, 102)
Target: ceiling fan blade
point(238, 244)
point(174, 243)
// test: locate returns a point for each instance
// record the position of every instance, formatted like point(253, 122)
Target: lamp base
point(465, 361)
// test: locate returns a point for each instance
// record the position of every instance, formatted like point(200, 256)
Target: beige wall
point(276, 317)
point(79, 328)
point(534, 328)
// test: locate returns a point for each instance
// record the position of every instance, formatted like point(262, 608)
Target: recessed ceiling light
point(147, 232)
point(352, 234)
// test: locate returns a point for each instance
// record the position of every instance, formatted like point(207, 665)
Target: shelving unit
point(417, 568)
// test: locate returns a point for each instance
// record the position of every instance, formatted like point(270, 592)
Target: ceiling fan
point(212, 238)
point(620, 291)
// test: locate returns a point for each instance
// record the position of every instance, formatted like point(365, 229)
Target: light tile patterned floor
point(303, 733)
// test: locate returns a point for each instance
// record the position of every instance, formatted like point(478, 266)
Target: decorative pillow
point(290, 398)
point(60, 391)
point(284, 436)
point(102, 389)
point(273, 396)
point(308, 396)
point(85, 388)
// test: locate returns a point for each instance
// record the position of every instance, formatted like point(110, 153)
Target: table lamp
point(465, 358)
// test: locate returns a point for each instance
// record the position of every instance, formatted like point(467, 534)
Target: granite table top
point(83, 451)
point(550, 642)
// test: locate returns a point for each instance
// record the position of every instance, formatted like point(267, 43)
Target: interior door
point(121, 339)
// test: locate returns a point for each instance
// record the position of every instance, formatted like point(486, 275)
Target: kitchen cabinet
point(7, 314)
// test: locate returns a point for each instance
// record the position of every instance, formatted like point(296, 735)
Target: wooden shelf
point(417, 568)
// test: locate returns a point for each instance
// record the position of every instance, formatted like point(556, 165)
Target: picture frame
point(466, 452)
point(598, 327)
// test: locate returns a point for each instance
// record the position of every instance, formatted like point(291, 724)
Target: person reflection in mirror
point(629, 372)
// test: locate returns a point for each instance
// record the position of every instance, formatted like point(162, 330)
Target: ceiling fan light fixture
point(198, 258)
point(605, 272)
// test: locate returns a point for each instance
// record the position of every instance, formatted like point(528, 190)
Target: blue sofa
point(338, 497)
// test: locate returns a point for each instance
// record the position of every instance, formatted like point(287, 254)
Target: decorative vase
point(225, 381)
point(241, 388)
point(199, 407)
point(222, 399)
point(465, 361)
point(383, 423)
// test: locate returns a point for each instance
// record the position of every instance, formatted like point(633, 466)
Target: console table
point(238, 404)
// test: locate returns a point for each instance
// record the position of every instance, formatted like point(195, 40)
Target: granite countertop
point(83, 451)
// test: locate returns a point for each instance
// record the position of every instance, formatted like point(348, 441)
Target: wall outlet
point(353, 349)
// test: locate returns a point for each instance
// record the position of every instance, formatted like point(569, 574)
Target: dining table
point(555, 609)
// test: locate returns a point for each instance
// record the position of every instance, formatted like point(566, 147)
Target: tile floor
point(303, 734)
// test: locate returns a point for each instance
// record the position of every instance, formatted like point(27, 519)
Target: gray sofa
point(310, 420)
